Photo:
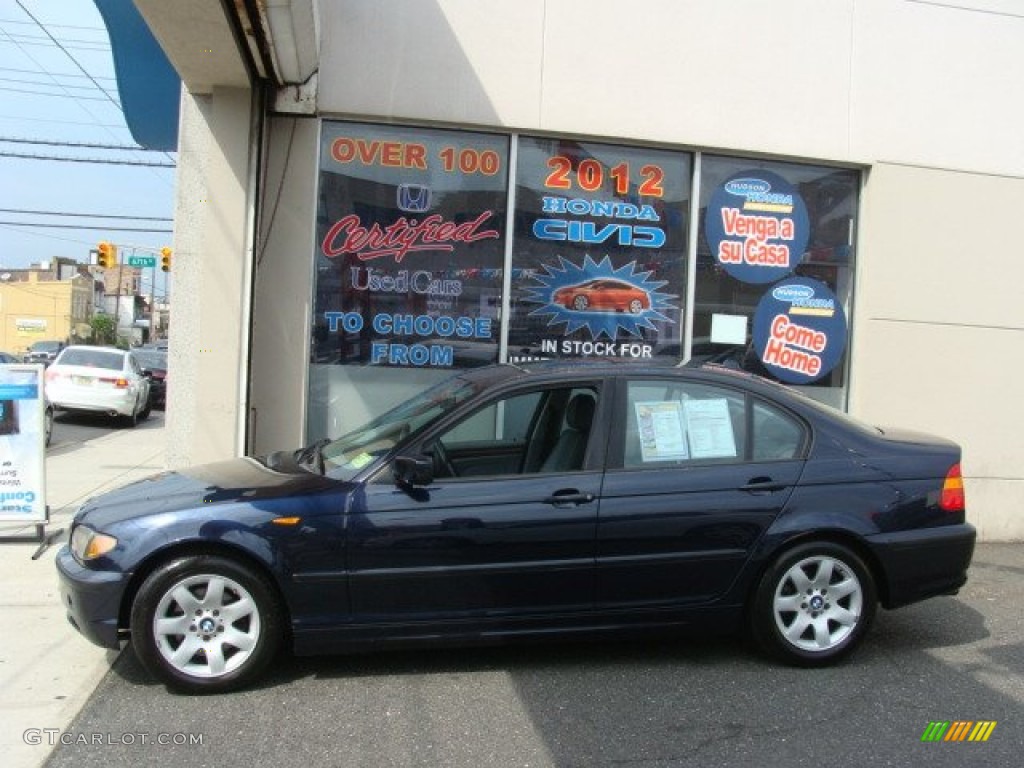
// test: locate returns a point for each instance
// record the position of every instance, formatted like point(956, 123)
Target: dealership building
point(373, 194)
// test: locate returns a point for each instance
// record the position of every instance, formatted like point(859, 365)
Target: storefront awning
point(149, 87)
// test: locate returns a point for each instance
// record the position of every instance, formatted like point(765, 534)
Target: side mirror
point(414, 471)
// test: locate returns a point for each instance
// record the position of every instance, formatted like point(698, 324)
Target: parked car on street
point(523, 503)
point(7, 357)
point(99, 379)
point(44, 352)
point(154, 362)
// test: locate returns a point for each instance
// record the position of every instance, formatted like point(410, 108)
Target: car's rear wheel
point(814, 604)
point(636, 306)
point(205, 624)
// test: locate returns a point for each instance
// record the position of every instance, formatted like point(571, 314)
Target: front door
point(507, 527)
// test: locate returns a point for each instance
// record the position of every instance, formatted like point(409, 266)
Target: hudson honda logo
point(802, 300)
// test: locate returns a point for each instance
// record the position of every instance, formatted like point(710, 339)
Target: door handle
point(762, 485)
point(569, 498)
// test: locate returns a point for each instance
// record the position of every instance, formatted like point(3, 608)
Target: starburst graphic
point(639, 310)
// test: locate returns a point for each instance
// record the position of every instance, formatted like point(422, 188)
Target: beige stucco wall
point(938, 324)
point(209, 335)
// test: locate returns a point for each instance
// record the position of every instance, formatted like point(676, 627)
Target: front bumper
point(923, 563)
point(91, 598)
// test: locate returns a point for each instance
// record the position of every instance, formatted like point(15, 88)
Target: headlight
point(87, 544)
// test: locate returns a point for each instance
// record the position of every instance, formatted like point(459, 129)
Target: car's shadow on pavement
point(935, 624)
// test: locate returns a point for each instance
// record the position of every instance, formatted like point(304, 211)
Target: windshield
point(151, 358)
point(345, 457)
point(93, 358)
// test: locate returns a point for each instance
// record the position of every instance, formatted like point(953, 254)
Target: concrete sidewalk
point(48, 670)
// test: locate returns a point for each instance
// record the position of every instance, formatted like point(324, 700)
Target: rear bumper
point(76, 398)
point(92, 599)
point(923, 563)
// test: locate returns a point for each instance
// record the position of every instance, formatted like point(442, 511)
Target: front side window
point(542, 431)
point(345, 457)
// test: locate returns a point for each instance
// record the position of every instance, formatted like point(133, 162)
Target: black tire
point(48, 424)
point(244, 645)
point(144, 413)
point(131, 420)
point(813, 605)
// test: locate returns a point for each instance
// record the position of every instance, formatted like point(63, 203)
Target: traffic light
point(107, 256)
point(165, 259)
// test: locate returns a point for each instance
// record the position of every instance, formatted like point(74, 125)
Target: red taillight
point(119, 382)
point(952, 498)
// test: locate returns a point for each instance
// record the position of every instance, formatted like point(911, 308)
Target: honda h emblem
point(413, 198)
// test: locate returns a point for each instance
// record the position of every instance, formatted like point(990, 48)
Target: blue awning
point(148, 85)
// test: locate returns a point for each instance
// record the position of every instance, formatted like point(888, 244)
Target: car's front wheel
point(814, 604)
point(205, 624)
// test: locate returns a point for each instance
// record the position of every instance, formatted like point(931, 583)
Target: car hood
point(225, 482)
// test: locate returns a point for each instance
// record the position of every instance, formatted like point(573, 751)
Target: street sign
point(141, 261)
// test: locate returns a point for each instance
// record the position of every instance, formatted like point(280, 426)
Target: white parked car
point(100, 380)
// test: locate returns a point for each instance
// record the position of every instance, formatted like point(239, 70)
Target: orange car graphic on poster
point(603, 295)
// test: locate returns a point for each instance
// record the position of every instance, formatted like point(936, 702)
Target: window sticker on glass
point(360, 461)
point(660, 426)
point(710, 429)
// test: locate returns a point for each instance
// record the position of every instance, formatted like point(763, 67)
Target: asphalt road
point(72, 429)
point(665, 702)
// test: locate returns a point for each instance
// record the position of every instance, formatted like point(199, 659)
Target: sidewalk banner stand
point(23, 453)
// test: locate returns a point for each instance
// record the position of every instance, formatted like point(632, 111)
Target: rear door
point(696, 473)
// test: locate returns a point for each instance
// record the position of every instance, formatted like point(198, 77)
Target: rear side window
point(93, 358)
point(669, 423)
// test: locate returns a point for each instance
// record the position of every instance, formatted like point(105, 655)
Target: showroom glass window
point(774, 271)
point(599, 257)
point(410, 243)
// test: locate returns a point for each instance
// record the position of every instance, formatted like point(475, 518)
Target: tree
point(104, 330)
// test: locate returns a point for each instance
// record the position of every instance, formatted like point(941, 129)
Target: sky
point(62, 90)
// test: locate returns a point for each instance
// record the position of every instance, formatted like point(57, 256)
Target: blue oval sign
point(800, 330)
point(756, 226)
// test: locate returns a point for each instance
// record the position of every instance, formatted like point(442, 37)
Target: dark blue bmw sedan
point(517, 503)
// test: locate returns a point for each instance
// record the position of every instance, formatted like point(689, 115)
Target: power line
point(84, 215)
point(83, 226)
point(76, 144)
point(145, 163)
point(80, 67)
point(60, 122)
point(59, 95)
point(60, 26)
point(52, 74)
